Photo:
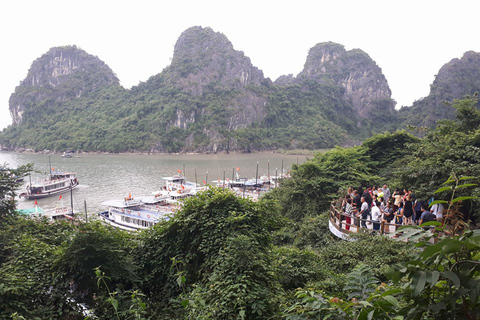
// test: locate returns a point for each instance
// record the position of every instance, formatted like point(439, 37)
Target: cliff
point(212, 99)
point(213, 81)
point(60, 75)
point(455, 79)
point(362, 79)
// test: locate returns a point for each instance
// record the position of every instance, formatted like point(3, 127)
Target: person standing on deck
point(356, 200)
point(376, 214)
point(364, 212)
point(386, 193)
point(348, 214)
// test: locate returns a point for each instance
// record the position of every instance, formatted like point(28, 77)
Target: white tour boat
point(143, 212)
point(136, 214)
point(59, 182)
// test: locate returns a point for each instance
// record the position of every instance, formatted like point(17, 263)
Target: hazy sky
point(409, 40)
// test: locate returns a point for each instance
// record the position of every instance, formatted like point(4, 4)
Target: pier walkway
point(339, 226)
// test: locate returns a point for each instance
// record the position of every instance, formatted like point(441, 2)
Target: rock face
point(204, 65)
point(62, 74)
point(454, 80)
point(212, 99)
point(355, 71)
point(202, 56)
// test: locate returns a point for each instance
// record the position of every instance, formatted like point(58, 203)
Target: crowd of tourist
point(374, 205)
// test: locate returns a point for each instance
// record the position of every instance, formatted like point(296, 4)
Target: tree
point(10, 180)
point(219, 244)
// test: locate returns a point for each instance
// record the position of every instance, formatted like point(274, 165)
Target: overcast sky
point(409, 40)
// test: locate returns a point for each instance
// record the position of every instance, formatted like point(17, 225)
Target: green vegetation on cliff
point(211, 98)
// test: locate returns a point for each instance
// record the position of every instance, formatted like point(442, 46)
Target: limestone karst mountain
point(212, 99)
point(455, 79)
point(60, 75)
point(364, 83)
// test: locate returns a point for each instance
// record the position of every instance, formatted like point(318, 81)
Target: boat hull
point(105, 218)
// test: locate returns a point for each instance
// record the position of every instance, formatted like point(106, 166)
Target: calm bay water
point(104, 176)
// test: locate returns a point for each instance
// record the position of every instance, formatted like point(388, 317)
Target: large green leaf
point(463, 199)
point(450, 180)
point(437, 201)
point(467, 185)
point(452, 276)
point(430, 251)
point(442, 189)
point(392, 300)
point(418, 283)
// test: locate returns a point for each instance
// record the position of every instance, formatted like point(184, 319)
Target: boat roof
point(121, 203)
point(173, 178)
point(29, 211)
point(60, 173)
point(151, 199)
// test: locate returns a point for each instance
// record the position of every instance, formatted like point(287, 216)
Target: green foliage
point(95, 245)
point(241, 285)
point(360, 282)
point(27, 276)
point(316, 182)
point(468, 113)
point(208, 231)
point(124, 304)
point(451, 147)
point(9, 183)
point(384, 149)
point(296, 268)
point(443, 280)
point(376, 252)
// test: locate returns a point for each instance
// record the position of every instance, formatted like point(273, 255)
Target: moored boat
point(58, 183)
point(143, 212)
point(135, 214)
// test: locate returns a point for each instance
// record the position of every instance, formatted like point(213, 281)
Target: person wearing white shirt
point(437, 210)
point(376, 214)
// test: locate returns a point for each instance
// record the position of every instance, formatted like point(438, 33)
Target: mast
point(276, 177)
point(86, 216)
point(281, 174)
point(256, 176)
point(50, 163)
point(71, 195)
point(268, 169)
point(268, 174)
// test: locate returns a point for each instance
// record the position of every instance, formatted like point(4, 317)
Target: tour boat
point(136, 214)
point(143, 212)
point(177, 188)
point(59, 182)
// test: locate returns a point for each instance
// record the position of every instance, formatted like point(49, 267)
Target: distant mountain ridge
point(209, 99)
point(455, 79)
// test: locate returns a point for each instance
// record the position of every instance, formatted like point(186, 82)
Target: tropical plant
point(9, 183)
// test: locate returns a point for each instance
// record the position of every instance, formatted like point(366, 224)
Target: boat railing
point(339, 226)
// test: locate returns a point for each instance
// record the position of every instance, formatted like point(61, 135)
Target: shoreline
point(76, 154)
